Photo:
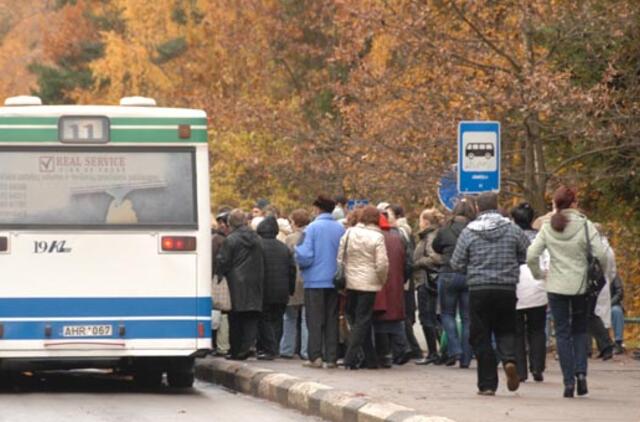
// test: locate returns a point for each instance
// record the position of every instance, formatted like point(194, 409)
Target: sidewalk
point(614, 388)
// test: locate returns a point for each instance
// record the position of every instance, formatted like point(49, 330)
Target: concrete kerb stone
point(306, 396)
point(381, 411)
point(275, 387)
point(336, 405)
point(246, 381)
point(424, 418)
point(300, 395)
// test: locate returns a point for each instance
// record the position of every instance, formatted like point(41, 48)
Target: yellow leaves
point(127, 69)
point(382, 50)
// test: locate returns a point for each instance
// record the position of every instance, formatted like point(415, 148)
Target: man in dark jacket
point(490, 251)
point(279, 284)
point(241, 261)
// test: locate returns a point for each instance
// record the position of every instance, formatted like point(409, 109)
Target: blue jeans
point(454, 296)
point(570, 318)
point(290, 329)
point(617, 321)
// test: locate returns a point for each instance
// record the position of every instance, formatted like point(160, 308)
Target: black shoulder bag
point(340, 278)
point(595, 274)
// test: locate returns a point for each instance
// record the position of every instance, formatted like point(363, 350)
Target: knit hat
point(262, 203)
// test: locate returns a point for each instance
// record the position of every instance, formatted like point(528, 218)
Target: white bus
point(104, 238)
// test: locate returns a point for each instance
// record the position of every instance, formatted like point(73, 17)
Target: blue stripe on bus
point(61, 307)
point(28, 330)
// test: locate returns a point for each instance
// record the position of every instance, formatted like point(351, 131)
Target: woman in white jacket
point(363, 253)
point(531, 316)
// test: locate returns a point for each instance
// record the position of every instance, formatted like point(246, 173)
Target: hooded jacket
point(567, 254)
point(445, 241)
point(279, 266)
point(241, 261)
point(490, 251)
point(365, 260)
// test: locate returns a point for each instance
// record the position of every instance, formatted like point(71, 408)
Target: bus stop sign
point(478, 157)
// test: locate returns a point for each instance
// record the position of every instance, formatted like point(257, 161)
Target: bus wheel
point(180, 373)
point(147, 378)
point(180, 378)
point(470, 156)
point(487, 155)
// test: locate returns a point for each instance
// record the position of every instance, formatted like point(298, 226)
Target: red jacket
point(389, 304)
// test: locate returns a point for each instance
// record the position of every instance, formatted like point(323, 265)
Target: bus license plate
point(87, 330)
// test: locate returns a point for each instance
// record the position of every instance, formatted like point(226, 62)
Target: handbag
point(220, 294)
point(340, 278)
point(595, 278)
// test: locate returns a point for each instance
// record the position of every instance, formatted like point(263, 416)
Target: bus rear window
point(97, 187)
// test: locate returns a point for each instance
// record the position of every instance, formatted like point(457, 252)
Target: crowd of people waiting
point(485, 284)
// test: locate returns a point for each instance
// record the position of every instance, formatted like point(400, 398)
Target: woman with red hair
point(565, 237)
point(389, 307)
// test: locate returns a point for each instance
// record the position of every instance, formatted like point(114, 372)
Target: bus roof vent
point(23, 100)
point(138, 101)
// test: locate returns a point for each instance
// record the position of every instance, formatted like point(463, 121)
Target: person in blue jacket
point(316, 257)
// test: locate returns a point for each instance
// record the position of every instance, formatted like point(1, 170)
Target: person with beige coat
point(565, 236)
point(363, 255)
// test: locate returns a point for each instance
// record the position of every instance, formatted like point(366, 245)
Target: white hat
point(383, 206)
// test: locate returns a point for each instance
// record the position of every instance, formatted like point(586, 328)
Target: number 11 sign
point(478, 156)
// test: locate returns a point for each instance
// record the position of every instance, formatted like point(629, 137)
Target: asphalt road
point(83, 396)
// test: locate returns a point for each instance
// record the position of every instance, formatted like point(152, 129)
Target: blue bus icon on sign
point(478, 157)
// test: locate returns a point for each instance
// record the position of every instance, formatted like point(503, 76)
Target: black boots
point(581, 385)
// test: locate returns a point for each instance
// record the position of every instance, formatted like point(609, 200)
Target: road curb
point(306, 396)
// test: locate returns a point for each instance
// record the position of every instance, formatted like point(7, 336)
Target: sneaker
point(404, 358)
point(432, 358)
point(317, 363)
point(452, 360)
point(330, 365)
point(265, 356)
point(618, 348)
point(513, 380)
point(486, 393)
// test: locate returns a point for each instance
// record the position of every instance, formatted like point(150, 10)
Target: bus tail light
point(201, 329)
point(178, 243)
point(4, 244)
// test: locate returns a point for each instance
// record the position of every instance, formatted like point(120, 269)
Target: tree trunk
point(534, 175)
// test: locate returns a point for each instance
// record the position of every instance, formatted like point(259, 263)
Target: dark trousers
point(427, 308)
point(391, 340)
point(597, 330)
point(570, 315)
point(530, 331)
point(321, 307)
point(492, 313)
point(410, 311)
point(243, 330)
point(270, 328)
point(359, 312)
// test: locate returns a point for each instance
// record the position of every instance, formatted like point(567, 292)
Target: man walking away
point(241, 261)
point(490, 250)
point(279, 283)
point(316, 257)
